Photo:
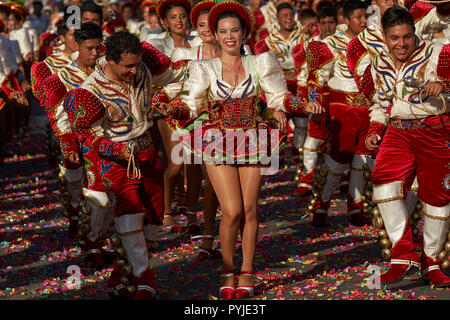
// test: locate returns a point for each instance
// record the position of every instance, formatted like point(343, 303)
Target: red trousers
point(137, 195)
point(348, 127)
point(318, 131)
point(425, 152)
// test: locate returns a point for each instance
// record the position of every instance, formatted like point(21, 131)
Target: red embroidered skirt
point(235, 134)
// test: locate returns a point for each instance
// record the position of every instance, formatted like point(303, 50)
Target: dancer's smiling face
point(401, 41)
point(176, 20)
point(126, 69)
point(203, 28)
point(230, 35)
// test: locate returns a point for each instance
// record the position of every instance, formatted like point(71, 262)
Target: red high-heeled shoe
point(227, 292)
point(193, 227)
point(205, 253)
point(244, 292)
point(173, 228)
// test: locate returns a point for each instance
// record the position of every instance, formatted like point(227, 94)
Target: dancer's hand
point(20, 97)
point(372, 142)
point(125, 154)
point(161, 107)
point(434, 88)
point(215, 112)
point(280, 117)
point(25, 85)
point(314, 108)
point(28, 57)
point(74, 159)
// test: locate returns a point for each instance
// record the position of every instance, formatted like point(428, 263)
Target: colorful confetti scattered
point(293, 260)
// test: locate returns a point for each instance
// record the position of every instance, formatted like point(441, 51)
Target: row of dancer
point(333, 67)
point(224, 93)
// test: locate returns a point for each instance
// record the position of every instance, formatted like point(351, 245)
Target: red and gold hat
point(233, 6)
point(199, 7)
point(18, 10)
point(114, 25)
point(162, 5)
point(148, 3)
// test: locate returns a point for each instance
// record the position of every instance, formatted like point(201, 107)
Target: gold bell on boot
point(377, 222)
point(126, 270)
point(115, 241)
point(121, 263)
point(131, 289)
point(125, 281)
point(386, 254)
point(376, 212)
point(86, 209)
point(386, 243)
point(121, 251)
point(323, 171)
point(442, 256)
point(382, 234)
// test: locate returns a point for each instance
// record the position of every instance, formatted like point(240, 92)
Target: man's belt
point(407, 123)
point(431, 122)
point(143, 142)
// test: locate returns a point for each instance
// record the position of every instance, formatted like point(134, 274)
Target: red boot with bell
point(305, 184)
point(435, 247)
point(144, 286)
point(355, 215)
point(404, 259)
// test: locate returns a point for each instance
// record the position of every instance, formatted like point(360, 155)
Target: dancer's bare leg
point(194, 182)
point(250, 180)
point(226, 183)
point(210, 205)
point(172, 171)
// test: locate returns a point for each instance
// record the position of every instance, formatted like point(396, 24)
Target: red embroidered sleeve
point(84, 110)
point(355, 52)
point(155, 60)
point(54, 92)
point(419, 10)
point(259, 19)
point(160, 96)
point(69, 144)
point(180, 110)
point(318, 55)
point(376, 128)
point(293, 105)
point(261, 46)
point(299, 55)
point(10, 84)
point(263, 34)
point(39, 73)
point(443, 67)
point(367, 84)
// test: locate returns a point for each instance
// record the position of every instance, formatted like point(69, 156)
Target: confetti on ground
point(293, 260)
